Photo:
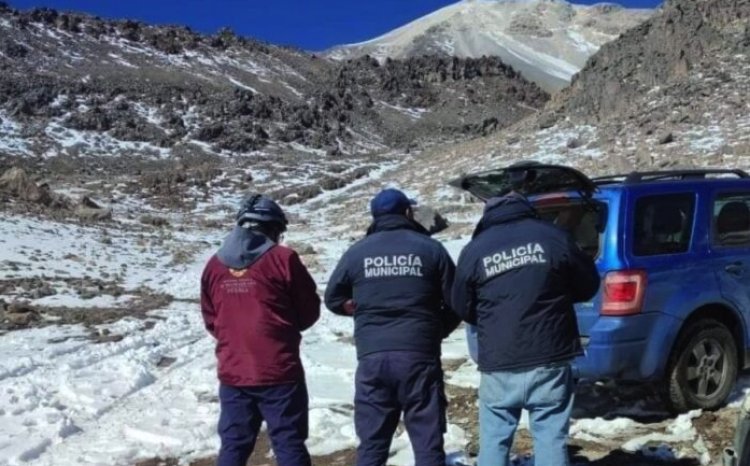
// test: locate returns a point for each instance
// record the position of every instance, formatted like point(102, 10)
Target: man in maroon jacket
point(256, 298)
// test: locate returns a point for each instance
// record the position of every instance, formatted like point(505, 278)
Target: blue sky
point(309, 24)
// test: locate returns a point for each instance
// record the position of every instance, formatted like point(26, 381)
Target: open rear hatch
point(527, 178)
point(562, 196)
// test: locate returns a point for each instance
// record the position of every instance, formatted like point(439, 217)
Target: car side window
point(663, 224)
point(731, 220)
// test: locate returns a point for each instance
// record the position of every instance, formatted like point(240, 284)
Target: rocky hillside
point(548, 41)
point(78, 85)
point(684, 38)
point(674, 92)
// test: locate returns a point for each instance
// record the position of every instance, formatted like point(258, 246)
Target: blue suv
point(673, 249)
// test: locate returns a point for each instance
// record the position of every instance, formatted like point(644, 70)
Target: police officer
point(517, 281)
point(256, 298)
point(396, 283)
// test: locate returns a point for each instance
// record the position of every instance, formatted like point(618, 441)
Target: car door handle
point(735, 268)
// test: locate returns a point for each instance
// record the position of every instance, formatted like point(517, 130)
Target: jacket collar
point(392, 222)
point(505, 209)
point(243, 247)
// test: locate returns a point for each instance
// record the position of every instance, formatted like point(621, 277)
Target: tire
point(703, 367)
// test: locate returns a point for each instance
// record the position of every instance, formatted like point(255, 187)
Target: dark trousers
point(243, 409)
point(392, 382)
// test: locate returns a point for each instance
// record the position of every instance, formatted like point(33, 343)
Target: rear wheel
point(703, 367)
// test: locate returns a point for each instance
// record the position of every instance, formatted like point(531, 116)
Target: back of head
point(507, 199)
point(263, 214)
point(390, 202)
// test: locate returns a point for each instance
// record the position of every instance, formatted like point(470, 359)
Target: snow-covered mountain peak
point(548, 41)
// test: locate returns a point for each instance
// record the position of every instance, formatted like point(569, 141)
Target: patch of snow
point(293, 89)
point(467, 375)
point(74, 301)
point(598, 428)
point(59, 101)
point(11, 140)
point(121, 61)
point(149, 114)
point(413, 113)
point(551, 145)
point(242, 86)
point(244, 63)
point(70, 251)
point(708, 138)
point(310, 150)
point(681, 430)
point(53, 35)
point(97, 144)
point(581, 42)
point(550, 64)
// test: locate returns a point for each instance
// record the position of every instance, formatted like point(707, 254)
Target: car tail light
point(551, 199)
point(623, 292)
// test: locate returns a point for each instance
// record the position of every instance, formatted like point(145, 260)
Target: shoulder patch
point(238, 273)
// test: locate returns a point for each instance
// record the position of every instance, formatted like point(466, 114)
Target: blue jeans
point(243, 409)
point(546, 392)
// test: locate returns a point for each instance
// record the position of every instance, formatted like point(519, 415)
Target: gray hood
point(243, 247)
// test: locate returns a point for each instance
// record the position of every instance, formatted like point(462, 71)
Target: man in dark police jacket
point(396, 282)
point(517, 281)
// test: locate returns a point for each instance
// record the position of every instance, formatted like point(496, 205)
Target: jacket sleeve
point(207, 306)
point(339, 289)
point(447, 271)
point(304, 293)
point(463, 296)
point(582, 272)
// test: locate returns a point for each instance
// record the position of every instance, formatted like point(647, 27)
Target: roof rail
point(688, 174)
point(609, 179)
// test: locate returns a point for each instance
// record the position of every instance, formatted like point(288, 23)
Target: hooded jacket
point(256, 298)
point(400, 280)
point(517, 281)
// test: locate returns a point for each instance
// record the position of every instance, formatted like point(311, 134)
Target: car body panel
point(638, 347)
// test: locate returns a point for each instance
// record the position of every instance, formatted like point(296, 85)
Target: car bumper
point(632, 348)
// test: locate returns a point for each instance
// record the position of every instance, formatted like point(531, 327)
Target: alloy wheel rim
point(707, 369)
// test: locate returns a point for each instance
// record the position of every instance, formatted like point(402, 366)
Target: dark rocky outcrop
point(167, 85)
point(664, 49)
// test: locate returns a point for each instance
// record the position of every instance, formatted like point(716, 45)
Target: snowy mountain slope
point(548, 41)
point(76, 391)
point(65, 399)
point(81, 86)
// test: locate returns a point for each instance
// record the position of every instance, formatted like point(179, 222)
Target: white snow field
point(67, 400)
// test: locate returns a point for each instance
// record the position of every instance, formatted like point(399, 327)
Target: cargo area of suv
point(673, 250)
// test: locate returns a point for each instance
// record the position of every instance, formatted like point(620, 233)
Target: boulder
point(430, 219)
point(20, 314)
point(547, 121)
point(88, 214)
point(17, 183)
point(666, 138)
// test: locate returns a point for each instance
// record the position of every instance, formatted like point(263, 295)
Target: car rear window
point(731, 220)
point(529, 180)
point(583, 220)
point(663, 224)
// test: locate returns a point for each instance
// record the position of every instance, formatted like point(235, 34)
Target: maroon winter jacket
point(256, 315)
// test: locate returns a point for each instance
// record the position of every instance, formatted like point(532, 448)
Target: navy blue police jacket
point(517, 281)
point(400, 280)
